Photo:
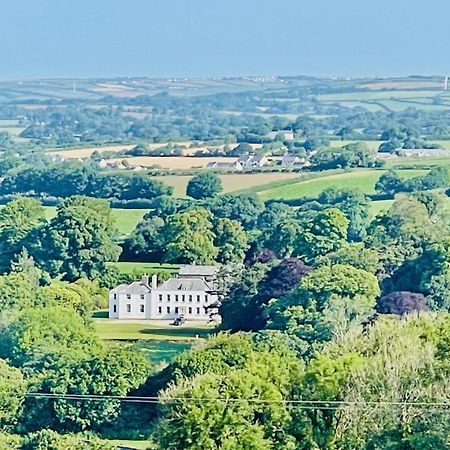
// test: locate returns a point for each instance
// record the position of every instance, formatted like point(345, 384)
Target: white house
point(192, 293)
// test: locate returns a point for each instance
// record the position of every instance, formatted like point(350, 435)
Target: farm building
point(192, 294)
point(292, 160)
point(235, 165)
point(253, 160)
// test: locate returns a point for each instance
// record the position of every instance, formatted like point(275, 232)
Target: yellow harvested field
point(232, 182)
point(171, 162)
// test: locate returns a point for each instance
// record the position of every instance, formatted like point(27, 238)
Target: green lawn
point(360, 179)
point(114, 329)
point(139, 267)
point(160, 352)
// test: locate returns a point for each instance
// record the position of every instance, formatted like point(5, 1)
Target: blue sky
point(174, 38)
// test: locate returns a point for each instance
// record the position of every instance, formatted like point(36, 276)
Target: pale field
point(230, 183)
point(371, 144)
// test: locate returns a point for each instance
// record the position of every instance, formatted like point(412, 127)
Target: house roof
point(199, 271)
point(136, 287)
point(185, 284)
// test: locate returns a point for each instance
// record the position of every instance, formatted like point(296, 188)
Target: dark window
point(198, 310)
point(128, 308)
point(168, 310)
point(190, 310)
point(160, 297)
point(190, 298)
point(115, 308)
point(160, 310)
point(176, 309)
point(206, 298)
point(168, 297)
point(142, 308)
point(183, 298)
point(176, 298)
point(128, 296)
point(115, 296)
point(198, 298)
point(142, 296)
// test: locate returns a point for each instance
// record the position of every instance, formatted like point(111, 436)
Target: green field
point(360, 179)
point(138, 267)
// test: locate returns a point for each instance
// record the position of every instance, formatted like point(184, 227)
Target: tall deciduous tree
point(17, 220)
point(79, 241)
point(189, 237)
point(231, 241)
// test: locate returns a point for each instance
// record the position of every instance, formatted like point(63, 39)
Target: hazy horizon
point(200, 38)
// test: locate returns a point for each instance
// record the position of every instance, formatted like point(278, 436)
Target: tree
point(189, 237)
point(238, 307)
point(217, 424)
point(12, 394)
point(16, 291)
point(50, 440)
point(327, 303)
point(390, 183)
point(204, 185)
point(79, 241)
point(243, 308)
point(401, 303)
point(146, 241)
point(325, 233)
point(111, 373)
point(43, 335)
point(402, 376)
point(231, 241)
point(241, 207)
point(17, 220)
point(354, 254)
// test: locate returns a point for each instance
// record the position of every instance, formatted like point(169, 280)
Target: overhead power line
point(303, 404)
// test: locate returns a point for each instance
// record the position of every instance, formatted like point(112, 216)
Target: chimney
point(145, 280)
point(154, 281)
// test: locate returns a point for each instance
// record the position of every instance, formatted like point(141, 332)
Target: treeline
point(171, 119)
point(392, 183)
point(62, 181)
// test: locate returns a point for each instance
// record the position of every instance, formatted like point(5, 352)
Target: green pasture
point(362, 180)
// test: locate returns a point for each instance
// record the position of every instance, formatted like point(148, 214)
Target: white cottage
point(192, 294)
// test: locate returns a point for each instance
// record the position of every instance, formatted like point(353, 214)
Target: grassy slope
point(361, 179)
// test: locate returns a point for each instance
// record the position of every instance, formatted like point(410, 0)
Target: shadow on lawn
point(175, 331)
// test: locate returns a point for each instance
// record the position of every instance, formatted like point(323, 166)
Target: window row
point(177, 310)
point(183, 298)
point(141, 296)
point(128, 308)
